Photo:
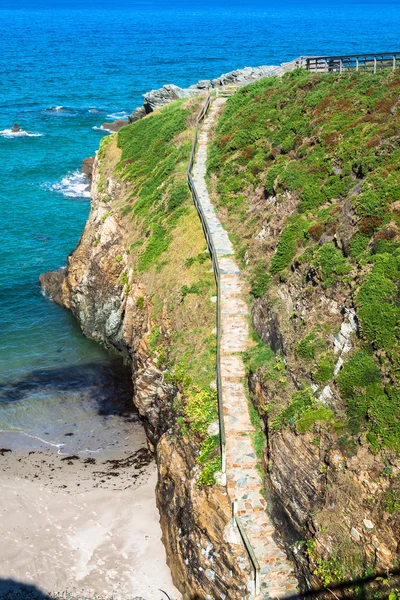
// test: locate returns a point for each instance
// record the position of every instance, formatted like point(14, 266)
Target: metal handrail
point(214, 259)
point(213, 253)
point(249, 548)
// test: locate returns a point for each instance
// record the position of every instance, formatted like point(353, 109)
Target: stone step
point(244, 481)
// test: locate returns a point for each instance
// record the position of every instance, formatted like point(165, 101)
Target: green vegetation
point(257, 356)
point(369, 402)
point(307, 347)
point(258, 436)
point(317, 158)
point(166, 256)
point(154, 153)
point(140, 303)
point(303, 412)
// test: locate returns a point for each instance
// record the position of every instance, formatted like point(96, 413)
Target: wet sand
point(82, 525)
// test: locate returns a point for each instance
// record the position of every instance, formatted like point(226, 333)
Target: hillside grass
point(314, 161)
point(166, 255)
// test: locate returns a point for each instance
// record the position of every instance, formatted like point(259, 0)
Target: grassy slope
point(325, 141)
point(305, 172)
point(167, 255)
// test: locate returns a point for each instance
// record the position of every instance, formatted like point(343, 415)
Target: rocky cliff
point(305, 175)
point(140, 282)
point(304, 171)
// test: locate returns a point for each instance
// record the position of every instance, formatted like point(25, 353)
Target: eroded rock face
point(266, 323)
point(243, 76)
point(321, 486)
point(205, 561)
point(168, 93)
point(87, 167)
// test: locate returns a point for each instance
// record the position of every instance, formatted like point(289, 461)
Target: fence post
point(374, 64)
point(340, 65)
point(394, 63)
point(357, 63)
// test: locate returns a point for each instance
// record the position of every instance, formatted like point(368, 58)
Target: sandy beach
point(82, 526)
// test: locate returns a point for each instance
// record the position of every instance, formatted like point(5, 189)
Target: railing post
point(394, 63)
point(357, 63)
point(340, 65)
point(374, 64)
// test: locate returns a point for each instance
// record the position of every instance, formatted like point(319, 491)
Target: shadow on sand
point(15, 590)
point(109, 384)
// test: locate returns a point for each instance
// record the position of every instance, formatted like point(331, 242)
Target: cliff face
point(304, 172)
point(146, 302)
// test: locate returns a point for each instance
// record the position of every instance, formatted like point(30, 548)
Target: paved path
point(244, 482)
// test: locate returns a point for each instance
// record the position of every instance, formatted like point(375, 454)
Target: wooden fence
point(371, 63)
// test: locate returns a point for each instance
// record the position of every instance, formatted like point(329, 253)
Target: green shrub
point(330, 265)
point(207, 476)
point(260, 279)
point(310, 417)
point(286, 250)
point(158, 243)
point(300, 402)
point(306, 348)
point(257, 357)
point(178, 193)
point(323, 371)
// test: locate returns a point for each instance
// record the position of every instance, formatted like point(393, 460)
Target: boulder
point(203, 84)
point(168, 93)
point(137, 114)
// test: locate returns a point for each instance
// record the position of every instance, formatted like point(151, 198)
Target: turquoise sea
point(65, 67)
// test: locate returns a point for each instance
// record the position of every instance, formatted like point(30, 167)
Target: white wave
point(9, 133)
point(33, 437)
point(118, 116)
point(101, 128)
point(74, 185)
point(56, 108)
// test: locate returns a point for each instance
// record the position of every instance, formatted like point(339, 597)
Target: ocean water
point(66, 67)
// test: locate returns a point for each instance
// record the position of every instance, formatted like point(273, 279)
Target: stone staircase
point(244, 481)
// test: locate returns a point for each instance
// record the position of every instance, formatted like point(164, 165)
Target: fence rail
point(213, 253)
point(350, 62)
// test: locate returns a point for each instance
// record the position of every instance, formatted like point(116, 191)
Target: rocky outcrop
point(204, 552)
point(114, 126)
point(87, 167)
point(168, 93)
point(243, 76)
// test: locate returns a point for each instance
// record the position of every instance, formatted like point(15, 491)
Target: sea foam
point(73, 185)
point(9, 133)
